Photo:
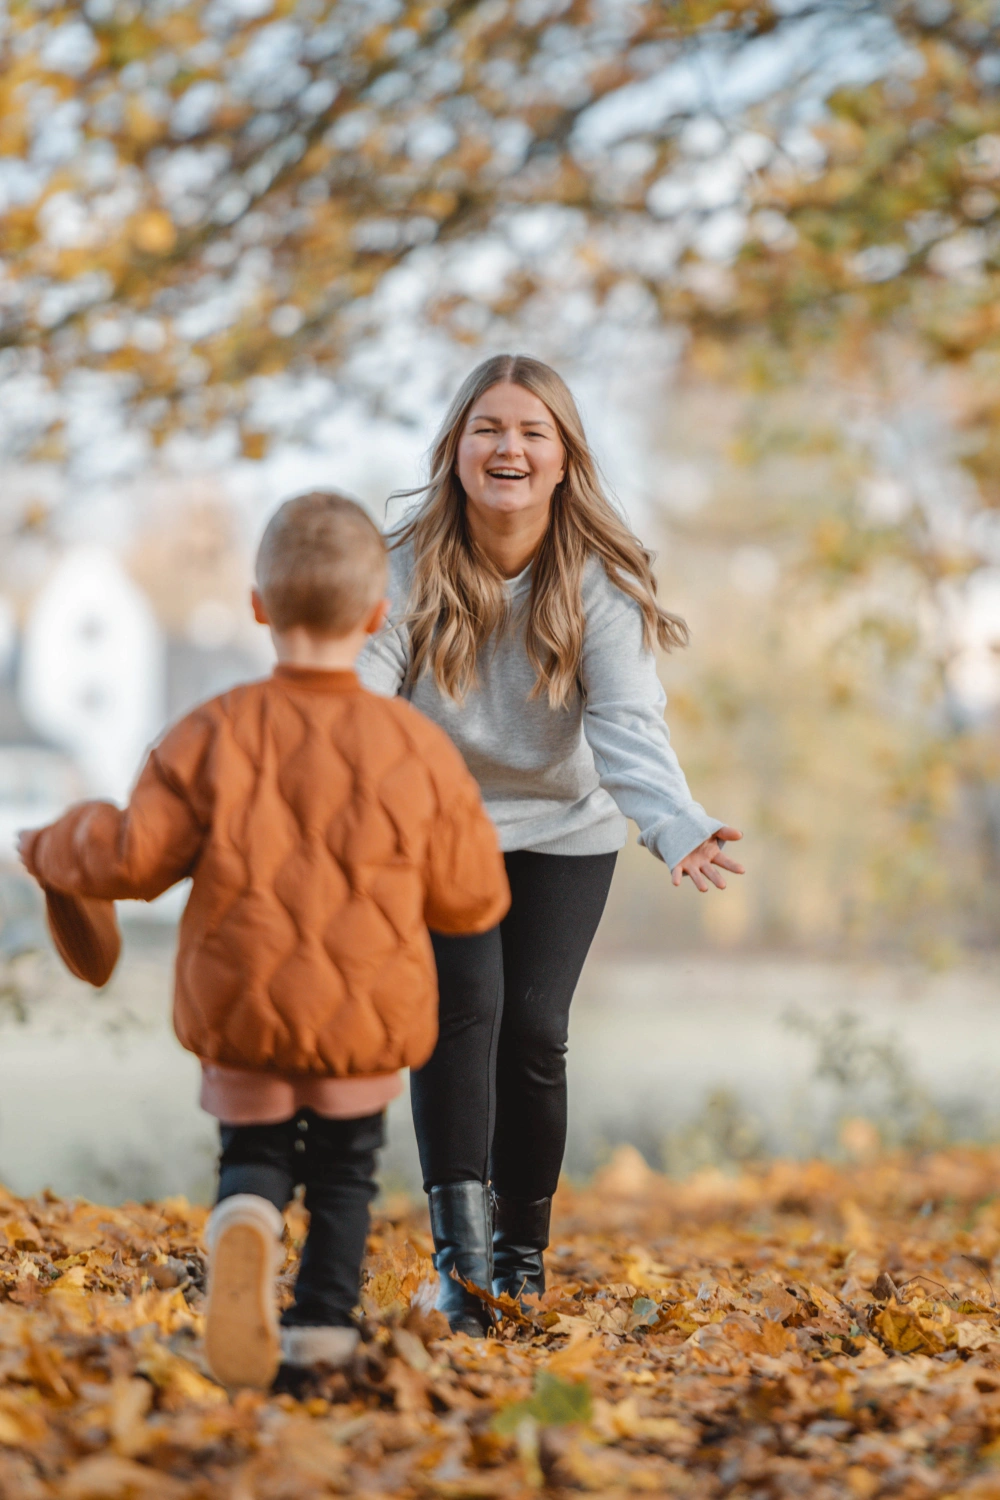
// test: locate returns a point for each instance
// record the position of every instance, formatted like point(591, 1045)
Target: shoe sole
point(241, 1332)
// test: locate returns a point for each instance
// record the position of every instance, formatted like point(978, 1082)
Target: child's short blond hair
point(321, 564)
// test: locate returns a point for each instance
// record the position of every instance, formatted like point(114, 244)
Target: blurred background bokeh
point(251, 246)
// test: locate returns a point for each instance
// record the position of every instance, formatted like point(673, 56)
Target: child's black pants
point(335, 1160)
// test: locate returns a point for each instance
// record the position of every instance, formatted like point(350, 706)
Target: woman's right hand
point(705, 863)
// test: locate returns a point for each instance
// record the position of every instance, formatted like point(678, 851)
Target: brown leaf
point(130, 1401)
point(45, 1364)
point(508, 1307)
point(969, 1335)
point(107, 1476)
point(752, 1337)
point(427, 1326)
point(884, 1287)
point(22, 1234)
point(22, 1420)
point(778, 1305)
point(410, 1387)
point(410, 1350)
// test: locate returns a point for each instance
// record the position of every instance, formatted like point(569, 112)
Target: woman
point(524, 617)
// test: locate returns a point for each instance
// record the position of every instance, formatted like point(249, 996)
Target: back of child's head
point(321, 564)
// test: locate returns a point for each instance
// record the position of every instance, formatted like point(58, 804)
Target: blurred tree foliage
point(195, 192)
point(830, 701)
point(192, 193)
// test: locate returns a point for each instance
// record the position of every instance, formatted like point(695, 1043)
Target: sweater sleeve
point(99, 850)
point(384, 659)
point(466, 880)
point(624, 725)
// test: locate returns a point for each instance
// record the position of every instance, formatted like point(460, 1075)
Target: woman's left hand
point(25, 843)
point(705, 863)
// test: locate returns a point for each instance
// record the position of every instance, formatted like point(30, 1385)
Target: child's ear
point(377, 618)
point(259, 612)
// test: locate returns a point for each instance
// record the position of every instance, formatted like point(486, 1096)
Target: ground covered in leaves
point(801, 1329)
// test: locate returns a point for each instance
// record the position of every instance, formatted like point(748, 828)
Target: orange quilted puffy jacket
point(325, 829)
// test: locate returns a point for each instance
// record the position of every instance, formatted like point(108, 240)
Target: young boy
point(324, 829)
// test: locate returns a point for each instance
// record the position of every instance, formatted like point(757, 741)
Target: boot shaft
point(462, 1230)
point(520, 1235)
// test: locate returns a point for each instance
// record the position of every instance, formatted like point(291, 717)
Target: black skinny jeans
point(335, 1159)
point(491, 1102)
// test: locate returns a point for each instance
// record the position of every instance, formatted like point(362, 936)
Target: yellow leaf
point(11, 1432)
point(130, 1401)
point(143, 127)
point(581, 1350)
point(174, 1375)
point(168, 1311)
point(857, 1227)
point(871, 1354)
point(153, 233)
point(21, 1234)
point(862, 1482)
point(975, 1335)
point(828, 1305)
point(70, 1299)
point(908, 1333)
point(22, 1422)
point(574, 1326)
point(254, 445)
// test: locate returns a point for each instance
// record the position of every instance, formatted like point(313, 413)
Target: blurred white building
point(92, 676)
point(87, 683)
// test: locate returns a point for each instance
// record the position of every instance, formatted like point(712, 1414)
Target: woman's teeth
point(506, 474)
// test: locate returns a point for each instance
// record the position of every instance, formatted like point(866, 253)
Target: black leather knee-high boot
point(462, 1229)
point(520, 1234)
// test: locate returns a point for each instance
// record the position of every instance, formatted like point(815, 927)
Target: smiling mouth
point(506, 474)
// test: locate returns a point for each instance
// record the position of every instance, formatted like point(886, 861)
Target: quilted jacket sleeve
point(467, 888)
point(100, 850)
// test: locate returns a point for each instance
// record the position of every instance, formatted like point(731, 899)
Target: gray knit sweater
point(560, 781)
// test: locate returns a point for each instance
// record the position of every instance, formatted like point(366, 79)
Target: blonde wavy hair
point(458, 601)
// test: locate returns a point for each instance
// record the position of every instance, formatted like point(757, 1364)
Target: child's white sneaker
point(306, 1345)
point(241, 1321)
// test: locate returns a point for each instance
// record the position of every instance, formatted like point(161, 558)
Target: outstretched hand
point(706, 863)
point(25, 841)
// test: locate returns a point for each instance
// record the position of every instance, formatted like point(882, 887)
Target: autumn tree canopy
point(195, 194)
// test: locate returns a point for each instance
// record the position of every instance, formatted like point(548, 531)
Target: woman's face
point(510, 455)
